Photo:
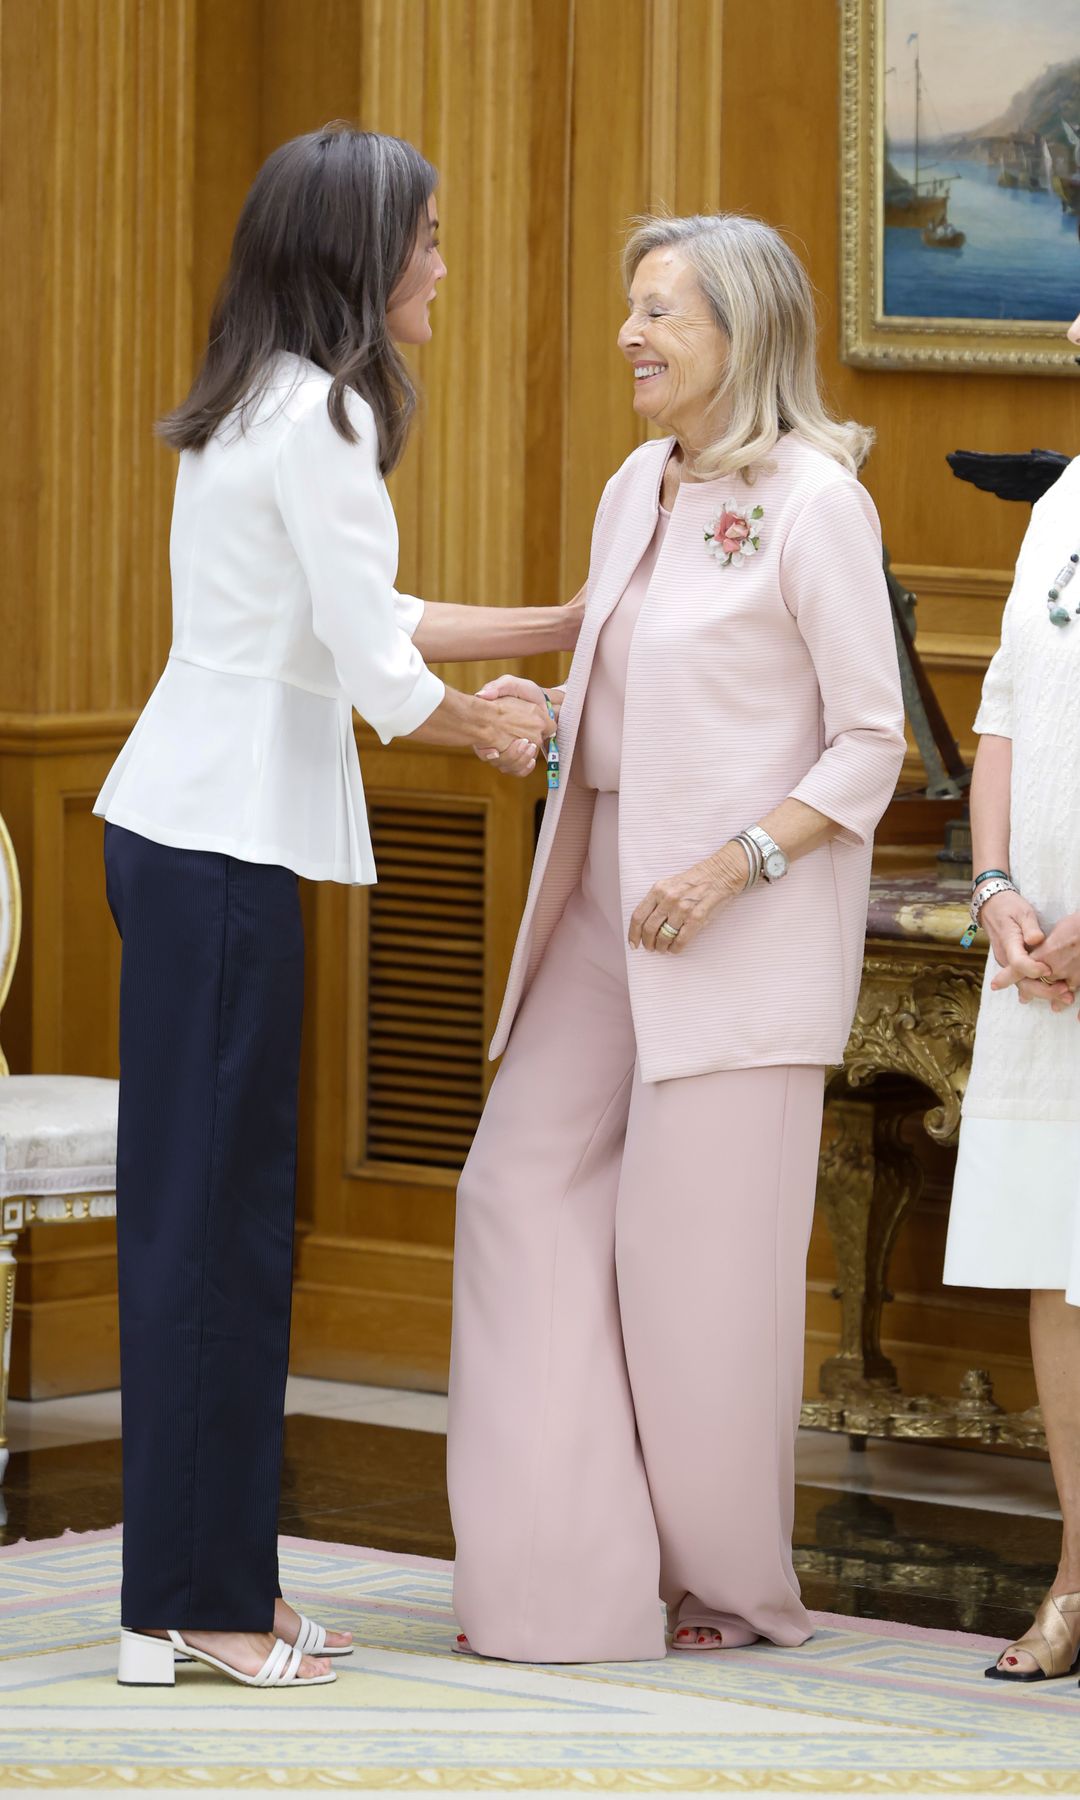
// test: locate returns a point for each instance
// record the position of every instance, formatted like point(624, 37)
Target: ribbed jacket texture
point(745, 684)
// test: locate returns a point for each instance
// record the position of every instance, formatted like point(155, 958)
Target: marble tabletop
point(916, 907)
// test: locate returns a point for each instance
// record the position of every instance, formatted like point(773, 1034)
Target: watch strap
point(767, 845)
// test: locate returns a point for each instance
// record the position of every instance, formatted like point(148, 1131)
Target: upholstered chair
point(57, 1140)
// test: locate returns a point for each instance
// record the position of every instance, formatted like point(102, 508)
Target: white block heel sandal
point(151, 1662)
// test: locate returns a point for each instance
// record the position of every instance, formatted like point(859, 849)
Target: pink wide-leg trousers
point(629, 1294)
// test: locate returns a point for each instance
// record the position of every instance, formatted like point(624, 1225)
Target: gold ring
point(669, 931)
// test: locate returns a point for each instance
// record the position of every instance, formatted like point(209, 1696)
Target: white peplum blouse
point(284, 552)
point(1016, 1196)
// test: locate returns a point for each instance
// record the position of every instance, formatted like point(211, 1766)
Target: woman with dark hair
point(241, 774)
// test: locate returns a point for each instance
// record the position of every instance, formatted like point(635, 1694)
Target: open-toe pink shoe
point(697, 1637)
point(710, 1631)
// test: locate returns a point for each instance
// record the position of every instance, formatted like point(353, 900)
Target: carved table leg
point(868, 1178)
point(7, 1314)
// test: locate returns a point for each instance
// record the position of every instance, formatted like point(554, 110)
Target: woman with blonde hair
point(634, 1215)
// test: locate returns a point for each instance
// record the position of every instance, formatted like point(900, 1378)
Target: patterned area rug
point(863, 1708)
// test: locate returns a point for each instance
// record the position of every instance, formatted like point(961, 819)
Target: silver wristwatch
point(774, 864)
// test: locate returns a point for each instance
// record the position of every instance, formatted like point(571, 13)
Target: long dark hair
point(324, 238)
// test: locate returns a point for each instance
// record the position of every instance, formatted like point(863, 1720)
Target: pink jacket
point(745, 685)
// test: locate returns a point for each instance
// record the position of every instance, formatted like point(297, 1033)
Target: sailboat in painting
point(1064, 181)
point(981, 157)
point(920, 204)
point(1018, 165)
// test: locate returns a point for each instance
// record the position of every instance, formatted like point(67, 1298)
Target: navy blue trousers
point(211, 999)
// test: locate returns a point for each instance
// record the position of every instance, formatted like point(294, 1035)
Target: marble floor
point(923, 1535)
point(912, 1471)
point(89, 1418)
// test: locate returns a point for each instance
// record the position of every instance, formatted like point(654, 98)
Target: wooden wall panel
point(477, 85)
point(129, 131)
point(607, 185)
point(97, 142)
point(646, 86)
point(547, 315)
point(27, 118)
point(106, 277)
point(228, 144)
point(780, 132)
point(374, 1263)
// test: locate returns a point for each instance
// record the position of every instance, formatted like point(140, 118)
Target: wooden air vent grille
point(425, 960)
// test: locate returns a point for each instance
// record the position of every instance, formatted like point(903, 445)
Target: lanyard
point(552, 750)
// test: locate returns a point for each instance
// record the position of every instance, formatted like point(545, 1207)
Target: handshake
point(521, 726)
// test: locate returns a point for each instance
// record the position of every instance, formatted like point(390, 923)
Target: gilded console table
point(915, 1019)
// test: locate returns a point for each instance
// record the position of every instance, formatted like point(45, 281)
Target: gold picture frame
point(870, 337)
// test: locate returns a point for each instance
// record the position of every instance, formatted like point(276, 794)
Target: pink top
point(600, 742)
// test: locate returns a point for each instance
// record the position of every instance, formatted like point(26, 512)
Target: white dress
point(1015, 1216)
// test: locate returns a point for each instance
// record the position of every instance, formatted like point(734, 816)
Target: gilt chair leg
point(7, 1314)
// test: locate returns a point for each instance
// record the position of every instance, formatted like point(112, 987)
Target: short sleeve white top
point(284, 552)
point(1026, 1062)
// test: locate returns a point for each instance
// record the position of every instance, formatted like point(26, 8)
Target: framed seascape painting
point(961, 197)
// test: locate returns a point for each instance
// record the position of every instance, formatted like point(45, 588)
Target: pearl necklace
point(1059, 614)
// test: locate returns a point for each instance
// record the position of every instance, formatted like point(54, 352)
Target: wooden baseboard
point(372, 1312)
point(384, 1318)
point(69, 1346)
point(63, 734)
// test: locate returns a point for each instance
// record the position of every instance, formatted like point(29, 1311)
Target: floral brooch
point(733, 535)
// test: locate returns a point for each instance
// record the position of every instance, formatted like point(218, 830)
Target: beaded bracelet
point(1001, 885)
point(987, 892)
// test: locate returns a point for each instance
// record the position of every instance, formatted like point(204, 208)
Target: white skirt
point(1015, 1206)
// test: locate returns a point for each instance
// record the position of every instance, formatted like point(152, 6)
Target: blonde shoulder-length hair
point(761, 298)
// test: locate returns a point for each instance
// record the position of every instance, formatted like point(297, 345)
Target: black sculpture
point(1026, 476)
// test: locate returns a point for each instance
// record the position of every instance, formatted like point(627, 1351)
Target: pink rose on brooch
point(733, 535)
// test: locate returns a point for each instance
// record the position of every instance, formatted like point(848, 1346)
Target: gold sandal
point(1053, 1642)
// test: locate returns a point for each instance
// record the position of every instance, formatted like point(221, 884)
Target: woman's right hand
point(518, 756)
point(510, 717)
point(1012, 925)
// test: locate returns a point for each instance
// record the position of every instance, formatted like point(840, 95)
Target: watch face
point(775, 865)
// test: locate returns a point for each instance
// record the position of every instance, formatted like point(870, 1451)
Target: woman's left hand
point(688, 901)
point(1060, 950)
